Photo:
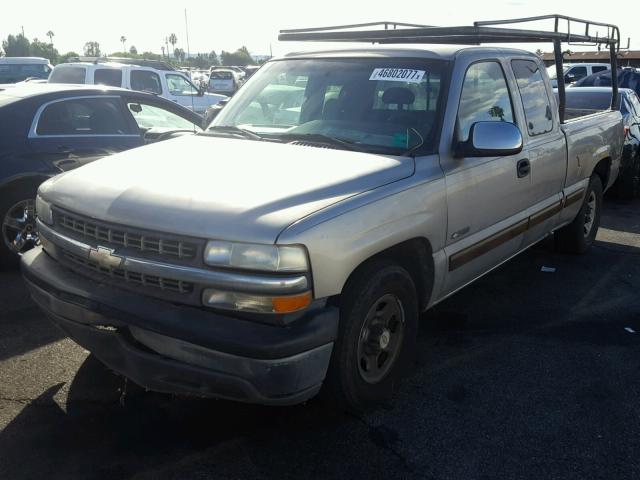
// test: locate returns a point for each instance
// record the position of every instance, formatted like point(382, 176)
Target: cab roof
point(435, 52)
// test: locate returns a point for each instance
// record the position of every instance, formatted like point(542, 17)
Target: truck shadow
point(104, 427)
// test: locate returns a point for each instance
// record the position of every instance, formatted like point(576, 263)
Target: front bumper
point(180, 349)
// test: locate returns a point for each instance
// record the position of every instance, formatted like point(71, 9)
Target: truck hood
point(220, 188)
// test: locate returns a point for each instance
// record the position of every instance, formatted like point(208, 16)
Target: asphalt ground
point(524, 374)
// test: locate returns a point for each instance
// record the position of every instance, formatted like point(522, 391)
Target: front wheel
point(579, 235)
point(377, 336)
point(18, 227)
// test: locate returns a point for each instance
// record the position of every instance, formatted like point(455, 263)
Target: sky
point(218, 26)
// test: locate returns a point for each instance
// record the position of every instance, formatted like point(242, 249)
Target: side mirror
point(491, 139)
point(569, 78)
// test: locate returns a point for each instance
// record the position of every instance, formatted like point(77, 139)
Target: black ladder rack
point(577, 32)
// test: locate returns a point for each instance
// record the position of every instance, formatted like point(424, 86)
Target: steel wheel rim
point(19, 227)
point(380, 339)
point(590, 213)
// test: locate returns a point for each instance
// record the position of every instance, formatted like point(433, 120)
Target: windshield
point(381, 104)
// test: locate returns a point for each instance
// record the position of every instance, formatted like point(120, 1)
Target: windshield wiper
point(320, 138)
point(232, 130)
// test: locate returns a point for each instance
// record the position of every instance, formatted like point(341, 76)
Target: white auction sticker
point(407, 75)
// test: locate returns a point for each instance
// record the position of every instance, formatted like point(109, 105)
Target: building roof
point(602, 56)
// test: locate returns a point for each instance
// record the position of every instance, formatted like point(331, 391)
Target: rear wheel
point(579, 235)
point(18, 227)
point(377, 336)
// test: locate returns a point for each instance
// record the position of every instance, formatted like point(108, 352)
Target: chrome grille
point(134, 278)
point(115, 236)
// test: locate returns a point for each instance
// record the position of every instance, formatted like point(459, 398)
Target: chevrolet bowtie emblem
point(105, 258)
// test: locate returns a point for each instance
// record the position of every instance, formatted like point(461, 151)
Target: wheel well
point(415, 256)
point(603, 170)
point(23, 183)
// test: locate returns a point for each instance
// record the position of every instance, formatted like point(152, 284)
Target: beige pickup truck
point(337, 196)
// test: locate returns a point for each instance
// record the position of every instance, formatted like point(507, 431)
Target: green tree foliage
point(92, 49)
point(240, 57)
point(66, 56)
point(172, 40)
point(213, 58)
point(16, 46)
point(43, 49)
point(133, 50)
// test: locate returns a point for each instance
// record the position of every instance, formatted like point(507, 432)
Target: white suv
point(146, 76)
point(576, 71)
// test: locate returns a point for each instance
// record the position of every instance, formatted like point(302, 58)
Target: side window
point(578, 72)
point(146, 81)
point(633, 98)
point(485, 98)
point(178, 85)
point(535, 100)
point(84, 116)
point(149, 116)
point(598, 69)
point(68, 75)
point(108, 76)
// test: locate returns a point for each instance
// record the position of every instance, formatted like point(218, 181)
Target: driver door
point(486, 196)
point(183, 92)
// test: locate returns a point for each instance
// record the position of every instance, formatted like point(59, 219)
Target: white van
point(146, 76)
point(18, 69)
point(576, 71)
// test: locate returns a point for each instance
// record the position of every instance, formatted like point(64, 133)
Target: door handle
point(523, 167)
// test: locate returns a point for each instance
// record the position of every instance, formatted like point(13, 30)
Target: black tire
point(351, 382)
point(9, 259)
point(579, 235)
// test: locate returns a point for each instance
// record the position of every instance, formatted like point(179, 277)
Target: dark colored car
point(627, 78)
point(582, 101)
point(48, 129)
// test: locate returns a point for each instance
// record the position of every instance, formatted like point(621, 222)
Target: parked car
point(239, 70)
point(224, 82)
point(627, 78)
point(18, 69)
point(589, 100)
point(141, 75)
point(249, 70)
point(300, 255)
point(576, 71)
point(50, 129)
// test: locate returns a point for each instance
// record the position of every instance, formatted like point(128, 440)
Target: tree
point(16, 46)
point(43, 49)
point(172, 40)
point(179, 54)
point(213, 58)
point(92, 49)
point(67, 56)
point(240, 57)
point(123, 39)
point(50, 34)
point(133, 50)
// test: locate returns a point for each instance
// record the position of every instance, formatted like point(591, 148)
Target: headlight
point(43, 211)
point(271, 258)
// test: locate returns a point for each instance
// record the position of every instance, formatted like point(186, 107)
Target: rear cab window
point(84, 116)
point(68, 75)
point(534, 96)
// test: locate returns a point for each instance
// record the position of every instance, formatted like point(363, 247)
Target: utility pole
point(22, 27)
point(186, 26)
